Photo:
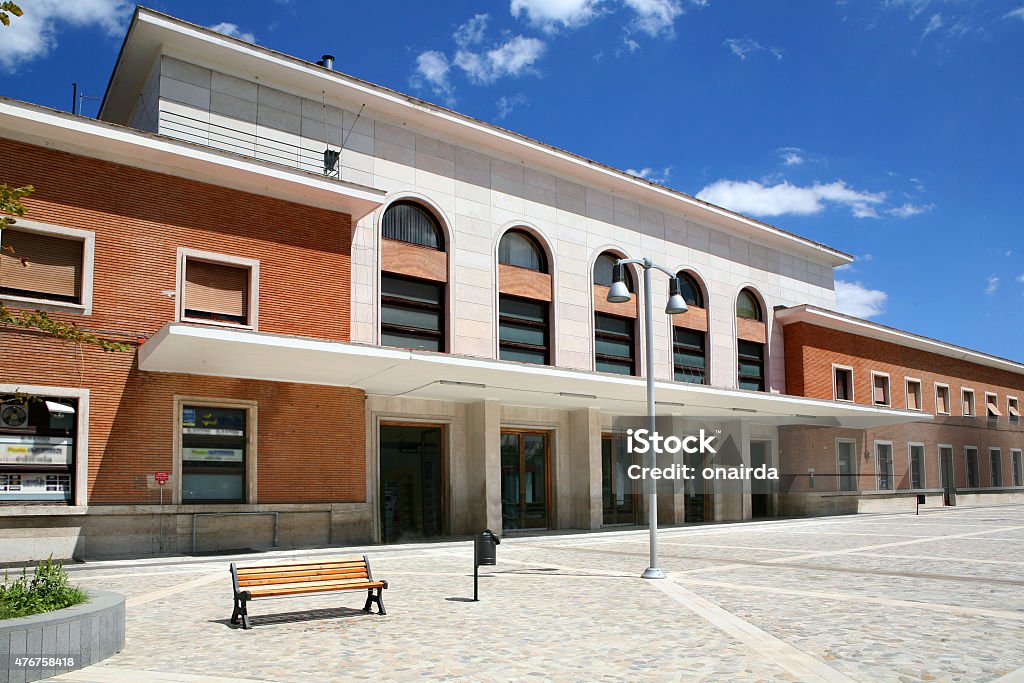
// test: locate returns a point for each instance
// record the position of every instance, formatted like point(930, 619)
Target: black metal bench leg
point(369, 600)
point(244, 613)
point(235, 612)
point(380, 603)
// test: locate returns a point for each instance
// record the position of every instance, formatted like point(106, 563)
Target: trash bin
point(485, 552)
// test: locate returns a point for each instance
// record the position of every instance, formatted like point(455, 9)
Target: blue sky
point(889, 129)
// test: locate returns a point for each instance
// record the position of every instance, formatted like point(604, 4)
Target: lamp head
point(676, 302)
point(618, 293)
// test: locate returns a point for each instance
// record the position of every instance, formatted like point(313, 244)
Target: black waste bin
point(485, 553)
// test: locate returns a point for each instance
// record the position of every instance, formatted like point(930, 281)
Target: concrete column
point(483, 464)
point(732, 497)
point(585, 468)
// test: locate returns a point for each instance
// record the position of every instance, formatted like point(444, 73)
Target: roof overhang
point(35, 125)
point(152, 33)
point(200, 350)
point(843, 323)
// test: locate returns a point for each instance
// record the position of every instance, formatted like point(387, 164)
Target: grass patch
point(47, 590)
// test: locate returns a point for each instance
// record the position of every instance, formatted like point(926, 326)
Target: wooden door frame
point(549, 500)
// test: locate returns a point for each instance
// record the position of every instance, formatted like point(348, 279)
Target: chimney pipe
point(327, 62)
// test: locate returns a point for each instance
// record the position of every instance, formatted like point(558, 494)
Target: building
point(403, 337)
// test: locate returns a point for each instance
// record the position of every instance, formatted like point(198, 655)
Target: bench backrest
point(341, 571)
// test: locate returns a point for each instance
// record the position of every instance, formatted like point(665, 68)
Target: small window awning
point(1013, 410)
point(993, 409)
point(55, 407)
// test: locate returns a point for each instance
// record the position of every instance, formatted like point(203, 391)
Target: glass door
point(946, 467)
point(411, 482)
point(847, 465)
point(524, 480)
point(617, 489)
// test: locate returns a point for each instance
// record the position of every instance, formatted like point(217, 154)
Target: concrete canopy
point(219, 352)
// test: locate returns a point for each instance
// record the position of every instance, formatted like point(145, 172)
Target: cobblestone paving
point(939, 597)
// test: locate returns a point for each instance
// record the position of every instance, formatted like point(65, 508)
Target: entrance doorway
point(618, 493)
point(948, 481)
point(760, 489)
point(411, 481)
point(524, 480)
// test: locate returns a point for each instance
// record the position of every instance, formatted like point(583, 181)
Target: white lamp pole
point(619, 293)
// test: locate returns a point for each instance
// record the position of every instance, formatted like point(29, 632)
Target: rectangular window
point(992, 406)
point(751, 365)
point(846, 451)
point(411, 313)
point(689, 355)
point(842, 382)
point(917, 474)
point(218, 289)
point(213, 453)
point(614, 344)
point(1013, 408)
point(967, 401)
point(941, 399)
point(995, 463)
point(971, 459)
point(47, 264)
point(883, 461)
point(37, 449)
point(523, 330)
point(1018, 467)
point(914, 394)
point(880, 389)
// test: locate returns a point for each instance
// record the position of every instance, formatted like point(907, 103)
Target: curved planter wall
point(79, 635)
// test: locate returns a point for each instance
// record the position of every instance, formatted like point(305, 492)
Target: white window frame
point(253, 304)
point(79, 496)
point(996, 397)
point(856, 465)
point(964, 403)
point(88, 240)
point(892, 464)
point(920, 393)
point(888, 381)
point(949, 399)
point(845, 368)
point(251, 424)
point(1014, 465)
point(924, 464)
point(967, 468)
point(1015, 402)
point(991, 472)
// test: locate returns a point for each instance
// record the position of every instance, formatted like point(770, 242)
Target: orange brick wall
point(310, 439)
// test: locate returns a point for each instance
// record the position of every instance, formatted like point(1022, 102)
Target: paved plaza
point(939, 597)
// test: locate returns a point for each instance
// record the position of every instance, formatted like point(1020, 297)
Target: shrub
point(47, 590)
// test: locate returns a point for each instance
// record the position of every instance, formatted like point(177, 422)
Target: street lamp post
point(619, 293)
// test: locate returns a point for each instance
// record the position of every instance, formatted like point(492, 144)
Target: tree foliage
point(7, 9)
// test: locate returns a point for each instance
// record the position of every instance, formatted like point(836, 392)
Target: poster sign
point(212, 454)
point(161, 477)
point(35, 450)
point(35, 486)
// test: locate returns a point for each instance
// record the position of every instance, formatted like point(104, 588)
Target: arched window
point(410, 222)
point(748, 307)
point(413, 283)
point(614, 324)
point(751, 341)
point(524, 299)
point(690, 333)
point(518, 248)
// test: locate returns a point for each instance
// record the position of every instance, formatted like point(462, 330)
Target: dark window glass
point(520, 249)
point(692, 293)
point(614, 344)
point(689, 355)
point(844, 384)
point(917, 467)
point(603, 271)
point(37, 449)
point(523, 330)
point(748, 307)
point(411, 313)
point(996, 467)
point(409, 222)
point(973, 480)
point(751, 365)
point(213, 451)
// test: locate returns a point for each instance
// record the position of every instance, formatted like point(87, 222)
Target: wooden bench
point(280, 580)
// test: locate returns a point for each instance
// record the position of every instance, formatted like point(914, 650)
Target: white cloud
point(549, 15)
point(507, 104)
point(741, 47)
point(853, 298)
point(515, 56)
point(785, 198)
point(1020, 278)
point(229, 29)
point(655, 175)
point(792, 156)
point(1015, 14)
point(934, 24)
point(472, 32)
point(432, 69)
point(907, 210)
point(655, 17)
point(34, 35)
point(991, 284)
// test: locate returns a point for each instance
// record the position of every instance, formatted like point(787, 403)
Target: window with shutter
point(216, 292)
point(40, 266)
point(942, 399)
point(881, 389)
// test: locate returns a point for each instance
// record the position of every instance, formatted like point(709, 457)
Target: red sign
point(161, 477)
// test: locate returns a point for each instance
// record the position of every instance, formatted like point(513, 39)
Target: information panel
point(35, 450)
